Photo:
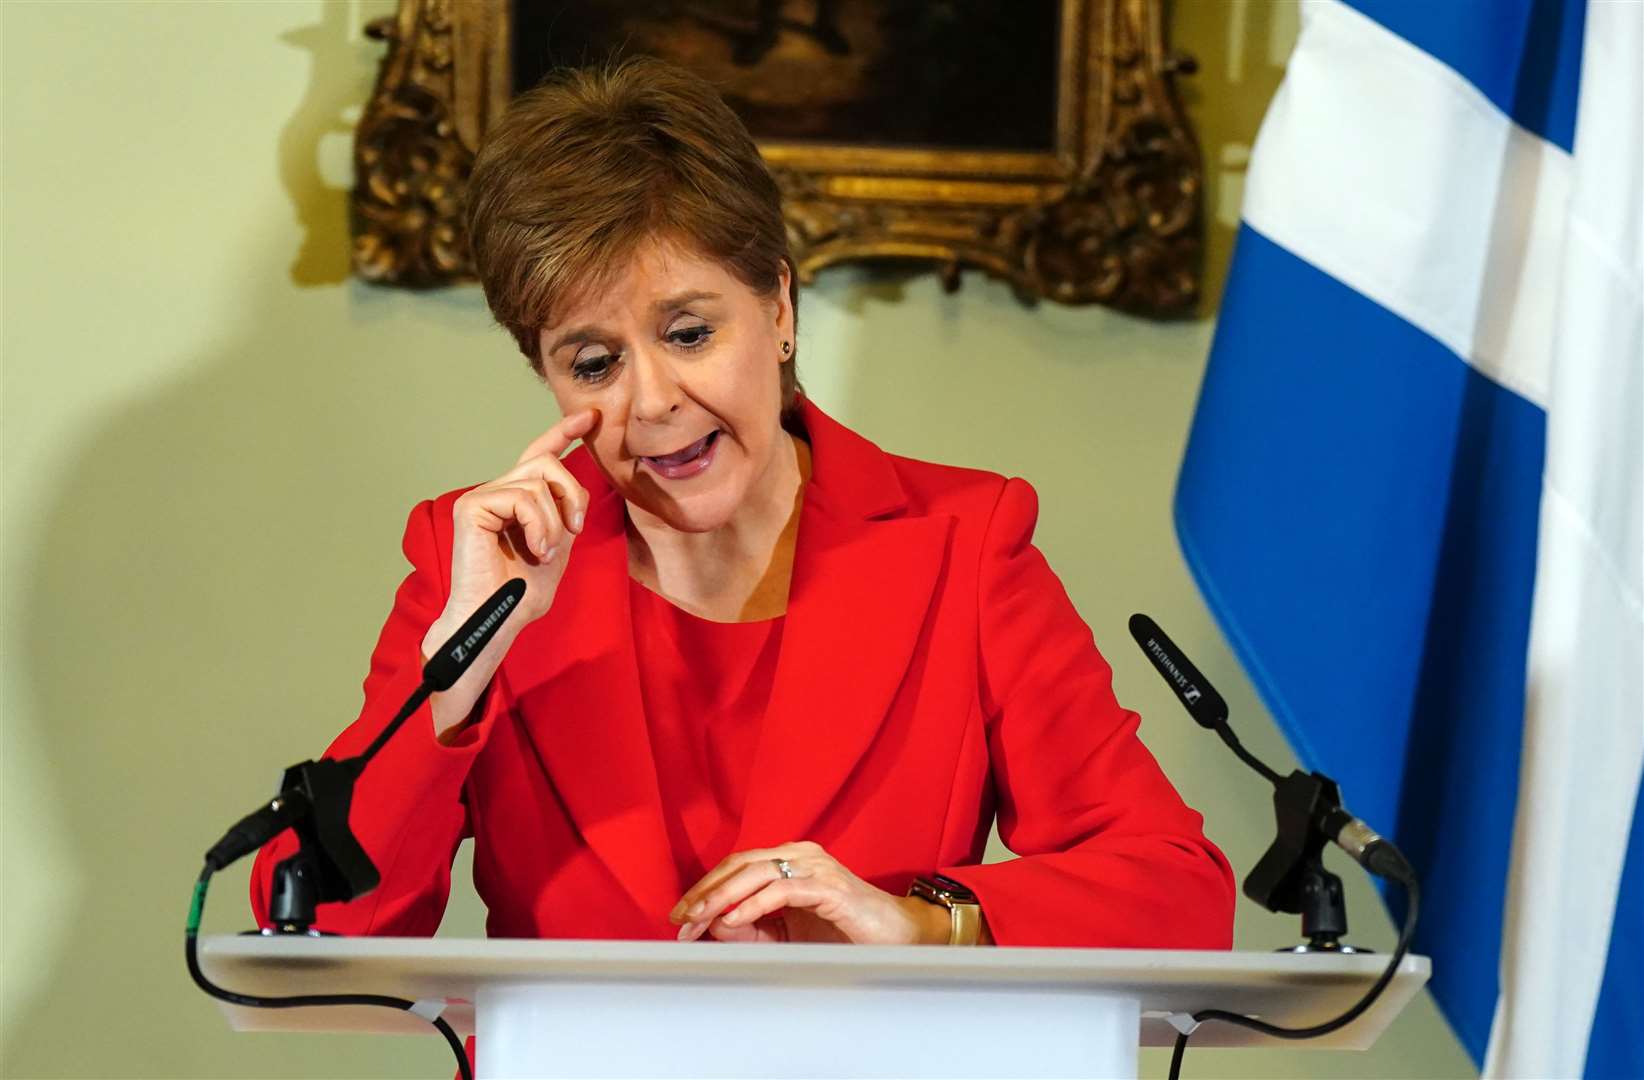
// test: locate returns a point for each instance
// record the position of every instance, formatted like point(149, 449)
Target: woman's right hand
point(519, 525)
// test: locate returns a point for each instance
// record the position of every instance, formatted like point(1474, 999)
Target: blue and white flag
point(1412, 493)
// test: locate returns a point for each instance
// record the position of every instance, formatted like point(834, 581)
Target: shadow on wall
point(201, 601)
point(316, 143)
point(200, 615)
point(1241, 47)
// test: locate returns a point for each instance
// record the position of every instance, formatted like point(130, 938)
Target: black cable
point(1413, 891)
point(1176, 1055)
point(191, 934)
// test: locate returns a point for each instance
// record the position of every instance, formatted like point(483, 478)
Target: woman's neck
point(739, 572)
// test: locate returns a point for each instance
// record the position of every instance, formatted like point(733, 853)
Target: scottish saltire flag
point(1412, 489)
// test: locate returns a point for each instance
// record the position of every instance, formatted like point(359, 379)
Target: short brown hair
point(581, 170)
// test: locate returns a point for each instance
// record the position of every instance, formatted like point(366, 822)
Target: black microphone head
point(1196, 694)
point(453, 658)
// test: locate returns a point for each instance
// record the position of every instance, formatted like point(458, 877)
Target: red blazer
point(932, 670)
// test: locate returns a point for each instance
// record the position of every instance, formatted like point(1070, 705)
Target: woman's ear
point(784, 302)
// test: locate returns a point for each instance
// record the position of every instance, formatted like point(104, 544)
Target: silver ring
point(783, 867)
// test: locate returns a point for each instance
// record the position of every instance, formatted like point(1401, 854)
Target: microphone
point(1193, 690)
point(453, 659)
point(317, 793)
point(457, 655)
point(1290, 877)
point(1311, 794)
point(330, 865)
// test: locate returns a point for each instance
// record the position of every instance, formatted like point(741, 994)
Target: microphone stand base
point(1322, 946)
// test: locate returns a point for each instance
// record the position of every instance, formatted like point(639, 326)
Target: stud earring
point(786, 348)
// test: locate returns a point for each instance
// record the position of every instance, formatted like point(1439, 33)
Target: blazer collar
point(863, 578)
point(850, 474)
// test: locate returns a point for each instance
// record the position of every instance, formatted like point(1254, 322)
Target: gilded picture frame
point(1109, 211)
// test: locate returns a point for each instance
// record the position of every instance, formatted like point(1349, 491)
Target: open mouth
point(686, 462)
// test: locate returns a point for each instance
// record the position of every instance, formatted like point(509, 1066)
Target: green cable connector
point(196, 907)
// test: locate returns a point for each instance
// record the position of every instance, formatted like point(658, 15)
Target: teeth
point(680, 457)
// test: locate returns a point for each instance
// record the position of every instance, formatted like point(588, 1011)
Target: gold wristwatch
point(960, 902)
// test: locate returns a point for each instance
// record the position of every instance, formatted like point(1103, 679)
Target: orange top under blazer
point(932, 670)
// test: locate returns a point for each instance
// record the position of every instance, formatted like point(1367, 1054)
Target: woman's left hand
point(746, 898)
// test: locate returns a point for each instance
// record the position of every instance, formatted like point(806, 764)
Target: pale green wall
point(211, 439)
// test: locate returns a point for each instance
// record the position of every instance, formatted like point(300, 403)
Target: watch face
point(958, 891)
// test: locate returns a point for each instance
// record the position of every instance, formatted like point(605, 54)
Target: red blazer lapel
point(576, 682)
point(863, 580)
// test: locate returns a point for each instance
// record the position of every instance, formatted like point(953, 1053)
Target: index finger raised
point(557, 439)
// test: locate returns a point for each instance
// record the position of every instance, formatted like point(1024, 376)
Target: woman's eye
point(592, 369)
point(691, 337)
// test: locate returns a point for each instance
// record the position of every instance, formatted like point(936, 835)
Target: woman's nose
point(657, 391)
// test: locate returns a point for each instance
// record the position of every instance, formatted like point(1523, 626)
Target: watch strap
point(963, 908)
point(967, 923)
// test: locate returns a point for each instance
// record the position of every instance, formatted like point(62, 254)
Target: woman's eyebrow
point(578, 336)
point(679, 300)
point(583, 334)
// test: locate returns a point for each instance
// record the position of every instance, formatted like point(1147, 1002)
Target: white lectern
point(708, 1008)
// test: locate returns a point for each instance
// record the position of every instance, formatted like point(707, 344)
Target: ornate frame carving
point(1112, 216)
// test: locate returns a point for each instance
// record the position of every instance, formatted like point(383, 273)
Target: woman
point(765, 676)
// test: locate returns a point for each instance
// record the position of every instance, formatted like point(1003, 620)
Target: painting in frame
point(1040, 140)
